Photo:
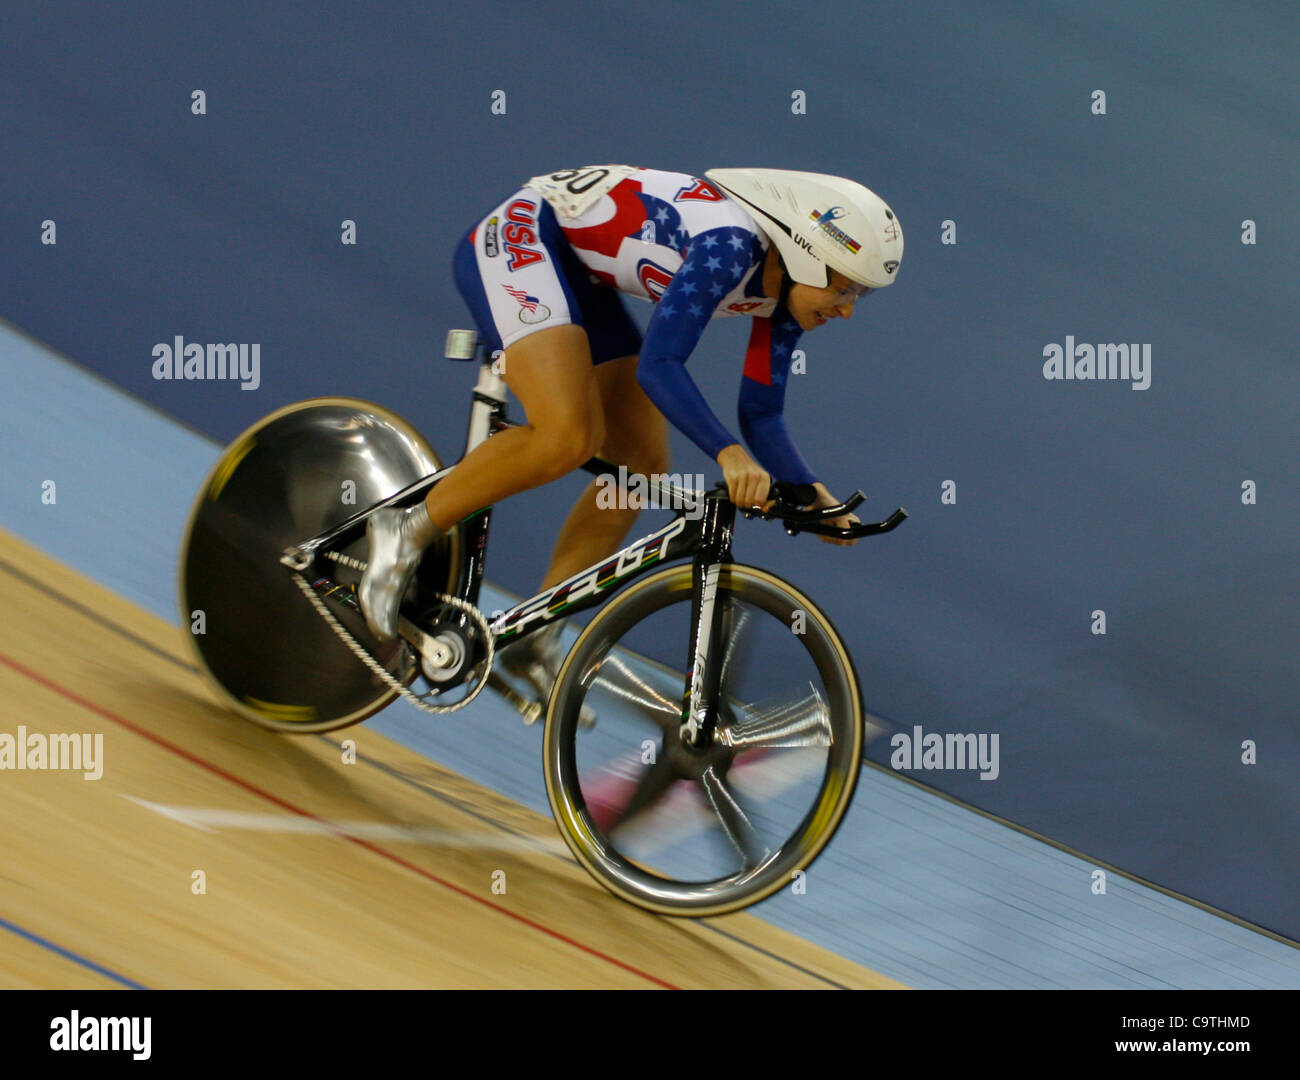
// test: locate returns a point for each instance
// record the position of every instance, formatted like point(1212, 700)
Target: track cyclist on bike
point(542, 273)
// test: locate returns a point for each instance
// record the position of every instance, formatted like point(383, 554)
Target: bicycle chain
point(378, 669)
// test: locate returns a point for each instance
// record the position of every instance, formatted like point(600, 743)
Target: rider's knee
point(650, 458)
point(565, 447)
point(643, 448)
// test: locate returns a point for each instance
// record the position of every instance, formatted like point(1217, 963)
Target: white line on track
point(209, 819)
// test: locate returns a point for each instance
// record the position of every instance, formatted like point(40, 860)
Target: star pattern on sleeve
point(702, 275)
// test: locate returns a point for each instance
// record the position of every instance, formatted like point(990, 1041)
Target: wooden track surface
point(321, 874)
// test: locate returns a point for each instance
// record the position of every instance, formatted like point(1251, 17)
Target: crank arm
point(438, 654)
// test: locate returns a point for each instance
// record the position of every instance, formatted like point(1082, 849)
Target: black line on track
point(93, 615)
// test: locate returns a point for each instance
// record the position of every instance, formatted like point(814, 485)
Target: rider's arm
point(762, 398)
point(708, 273)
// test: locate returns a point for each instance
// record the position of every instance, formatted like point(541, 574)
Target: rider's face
point(811, 307)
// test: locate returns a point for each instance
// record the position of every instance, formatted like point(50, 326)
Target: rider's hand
point(844, 521)
point(748, 483)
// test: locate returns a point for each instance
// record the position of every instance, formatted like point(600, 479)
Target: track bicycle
point(729, 725)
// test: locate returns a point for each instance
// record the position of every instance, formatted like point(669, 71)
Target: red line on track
point(382, 852)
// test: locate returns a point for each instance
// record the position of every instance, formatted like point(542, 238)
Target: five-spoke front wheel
point(687, 831)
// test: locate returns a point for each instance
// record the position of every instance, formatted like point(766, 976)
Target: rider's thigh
point(551, 374)
point(636, 432)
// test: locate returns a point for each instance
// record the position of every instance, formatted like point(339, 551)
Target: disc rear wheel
point(295, 474)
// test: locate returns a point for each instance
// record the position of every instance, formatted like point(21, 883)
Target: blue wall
point(1072, 496)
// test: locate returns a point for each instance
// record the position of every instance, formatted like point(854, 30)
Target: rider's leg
point(550, 372)
point(636, 435)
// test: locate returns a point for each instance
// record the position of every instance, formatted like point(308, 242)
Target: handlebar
point(789, 500)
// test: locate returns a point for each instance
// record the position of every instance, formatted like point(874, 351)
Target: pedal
point(530, 711)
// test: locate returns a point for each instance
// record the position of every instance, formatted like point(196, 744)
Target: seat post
point(490, 390)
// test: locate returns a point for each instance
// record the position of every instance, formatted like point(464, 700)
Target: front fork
point(700, 716)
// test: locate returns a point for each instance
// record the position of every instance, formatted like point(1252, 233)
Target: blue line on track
point(128, 983)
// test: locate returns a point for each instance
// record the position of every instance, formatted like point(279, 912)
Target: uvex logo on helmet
point(798, 211)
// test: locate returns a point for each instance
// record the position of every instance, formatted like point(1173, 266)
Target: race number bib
point(572, 192)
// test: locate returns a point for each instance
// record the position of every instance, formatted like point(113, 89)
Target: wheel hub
point(691, 762)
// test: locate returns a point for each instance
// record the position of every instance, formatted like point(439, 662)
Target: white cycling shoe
point(537, 659)
point(397, 541)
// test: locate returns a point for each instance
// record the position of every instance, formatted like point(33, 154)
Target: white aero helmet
point(819, 221)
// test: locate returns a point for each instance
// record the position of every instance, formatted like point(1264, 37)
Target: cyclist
point(542, 274)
